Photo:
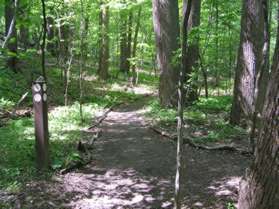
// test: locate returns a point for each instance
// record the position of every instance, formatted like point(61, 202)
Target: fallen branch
point(75, 166)
point(189, 141)
point(86, 156)
point(104, 116)
point(22, 98)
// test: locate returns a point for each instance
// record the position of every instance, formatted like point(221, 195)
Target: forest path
point(133, 167)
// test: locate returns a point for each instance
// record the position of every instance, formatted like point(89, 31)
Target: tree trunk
point(134, 50)
point(262, 77)
point(180, 104)
point(259, 188)
point(23, 28)
point(166, 27)
point(129, 39)
point(191, 56)
point(123, 43)
point(104, 43)
point(51, 45)
point(11, 33)
point(249, 60)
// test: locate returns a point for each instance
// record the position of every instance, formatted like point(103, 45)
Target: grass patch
point(17, 136)
point(207, 119)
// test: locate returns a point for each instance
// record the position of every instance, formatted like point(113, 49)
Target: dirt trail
point(134, 168)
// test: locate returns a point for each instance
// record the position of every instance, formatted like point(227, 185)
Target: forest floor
point(134, 167)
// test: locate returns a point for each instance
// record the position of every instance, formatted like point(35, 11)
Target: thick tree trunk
point(262, 77)
point(260, 186)
point(166, 27)
point(104, 43)
point(11, 33)
point(191, 62)
point(249, 63)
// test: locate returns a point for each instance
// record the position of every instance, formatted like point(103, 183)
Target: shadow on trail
point(134, 168)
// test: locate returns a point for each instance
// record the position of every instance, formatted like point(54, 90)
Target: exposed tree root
point(189, 141)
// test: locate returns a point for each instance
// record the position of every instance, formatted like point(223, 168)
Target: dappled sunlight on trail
point(133, 168)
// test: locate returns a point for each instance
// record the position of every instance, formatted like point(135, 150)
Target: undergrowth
point(65, 125)
point(207, 119)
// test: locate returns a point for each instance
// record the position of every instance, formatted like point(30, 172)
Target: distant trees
point(258, 189)
point(166, 27)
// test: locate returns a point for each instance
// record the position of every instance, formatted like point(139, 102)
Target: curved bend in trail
point(134, 168)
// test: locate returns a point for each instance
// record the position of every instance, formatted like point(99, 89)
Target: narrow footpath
point(134, 168)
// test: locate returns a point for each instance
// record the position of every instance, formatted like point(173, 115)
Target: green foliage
point(206, 118)
point(65, 126)
point(230, 206)
point(214, 104)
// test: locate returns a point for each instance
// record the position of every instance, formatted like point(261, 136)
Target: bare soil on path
point(134, 168)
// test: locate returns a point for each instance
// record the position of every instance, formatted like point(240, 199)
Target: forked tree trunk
point(166, 27)
point(259, 188)
point(250, 60)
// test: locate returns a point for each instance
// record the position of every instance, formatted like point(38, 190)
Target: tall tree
point(11, 33)
point(166, 27)
point(104, 42)
point(124, 67)
point(23, 13)
point(191, 57)
point(134, 49)
point(263, 75)
point(259, 188)
point(180, 104)
point(250, 60)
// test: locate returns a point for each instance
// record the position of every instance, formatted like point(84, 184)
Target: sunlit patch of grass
point(17, 141)
point(214, 104)
point(206, 118)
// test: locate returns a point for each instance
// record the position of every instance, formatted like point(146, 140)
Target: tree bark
point(180, 104)
point(262, 77)
point(166, 27)
point(104, 43)
point(191, 57)
point(260, 186)
point(249, 63)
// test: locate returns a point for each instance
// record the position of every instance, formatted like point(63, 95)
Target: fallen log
point(189, 141)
